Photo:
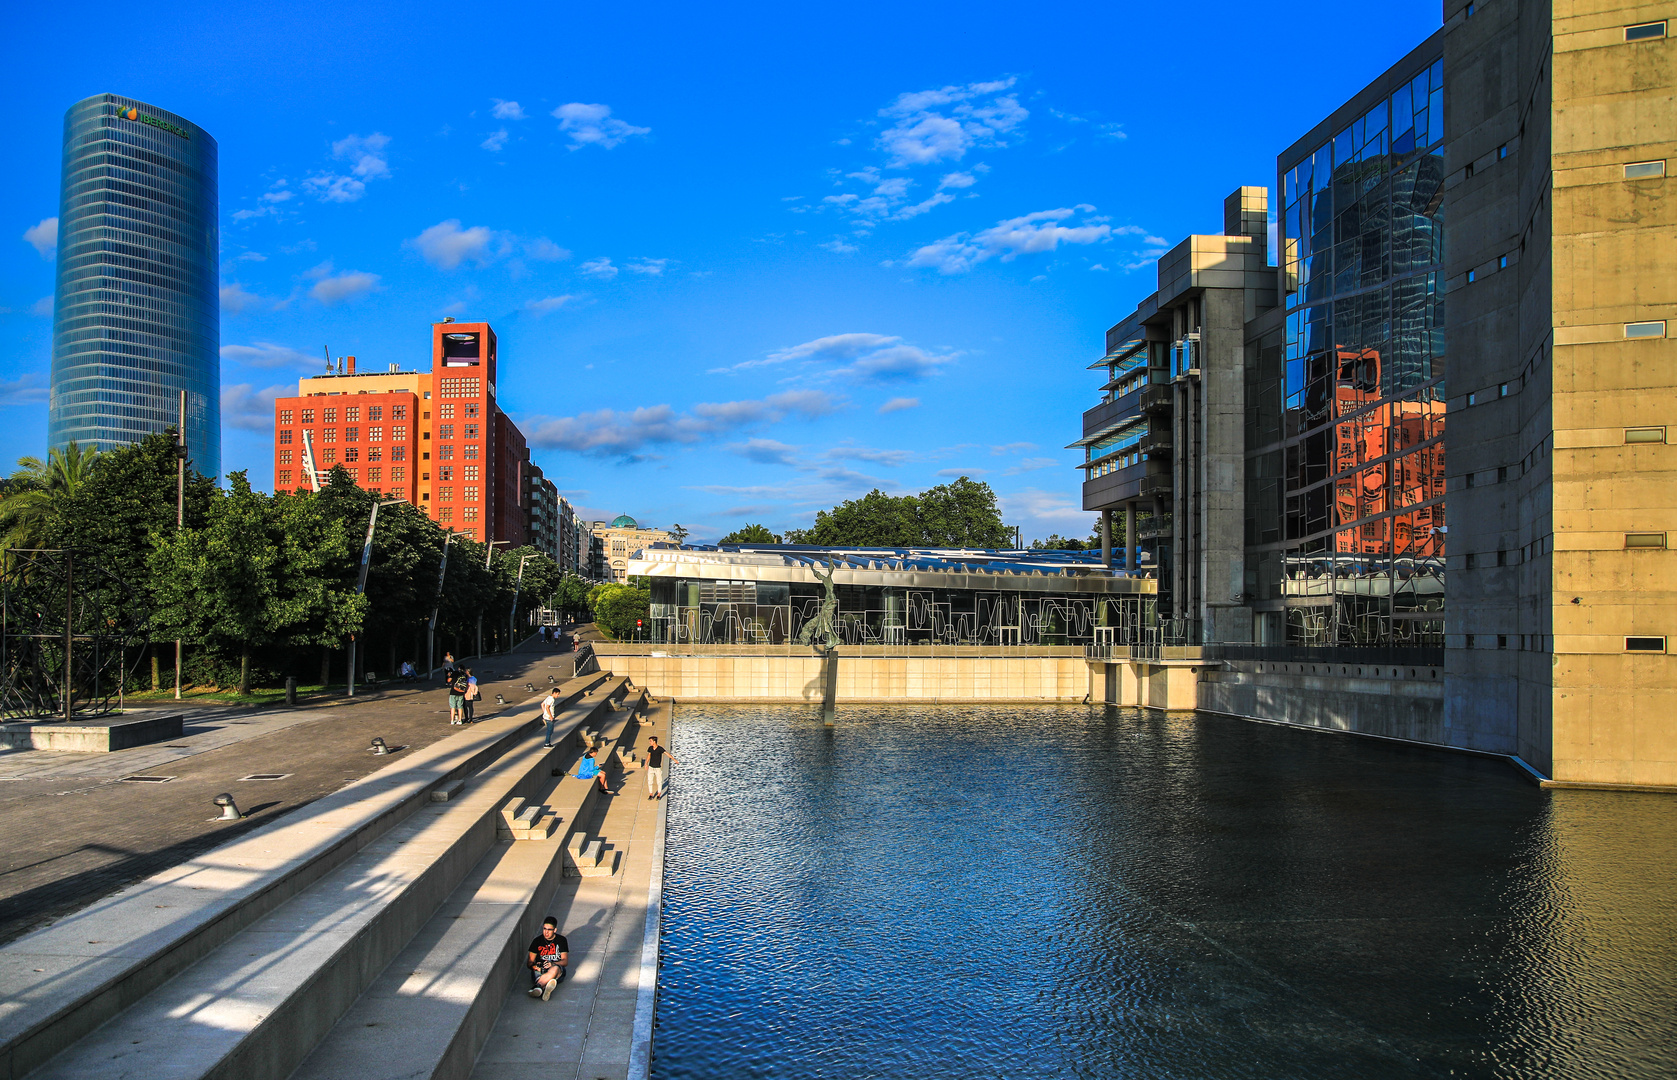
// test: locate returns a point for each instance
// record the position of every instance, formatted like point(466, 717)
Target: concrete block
point(444, 794)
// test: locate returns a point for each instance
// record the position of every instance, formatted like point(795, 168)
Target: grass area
point(218, 695)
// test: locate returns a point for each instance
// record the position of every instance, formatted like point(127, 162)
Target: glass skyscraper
point(137, 315)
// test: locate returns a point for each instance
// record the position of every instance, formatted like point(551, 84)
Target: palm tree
point(34, 490)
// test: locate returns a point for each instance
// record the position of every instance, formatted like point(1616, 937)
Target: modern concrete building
point(620, 540)
point(541, 512)
point(136, 309)
point(437, 438)
point(1470, 311)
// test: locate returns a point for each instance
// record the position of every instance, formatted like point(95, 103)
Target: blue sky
point(744, 261)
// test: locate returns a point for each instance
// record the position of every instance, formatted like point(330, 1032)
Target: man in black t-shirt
point(655, 767)
point(549, 954)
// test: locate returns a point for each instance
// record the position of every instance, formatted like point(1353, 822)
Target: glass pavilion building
point(137, 305)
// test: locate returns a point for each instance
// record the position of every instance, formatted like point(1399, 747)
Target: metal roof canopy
point(978, 570)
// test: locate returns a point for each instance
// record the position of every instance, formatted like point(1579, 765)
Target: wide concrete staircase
point(376, 932)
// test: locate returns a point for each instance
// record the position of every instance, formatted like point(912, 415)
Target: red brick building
point(436, 438)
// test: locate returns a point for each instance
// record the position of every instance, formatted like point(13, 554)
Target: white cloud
point(27, 389)
point(593, 125)
point(1030, 465)
point(839, 246)
point(279, 196)
point(628, 433)
point(495, 141)
point(765, 451)
point(42, 307)
point(600, 268)
point(43, 237)
point(507, 110)
point(938, 125)
point(1012, 448)
point(938, 199)
point(891, 458)
point(547, 304)
point(865, 356)
point(544, 249)
point(1046, 511)
point(1028, 235)
point(954, 473)
point(649, 267)
point(330, 288)
point(898, 404)
point(446, 245)
point(367, 161)
point(266, 354)
point(237, 300)
point(244, 406)
point(958, 180)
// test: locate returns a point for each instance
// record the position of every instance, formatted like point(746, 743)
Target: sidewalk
point(77, 832)
point(599, 1021)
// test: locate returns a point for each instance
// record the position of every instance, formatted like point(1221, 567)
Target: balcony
point(1157, 398)
point(1157, 484)
point(1106, 415)
point(1156, 444)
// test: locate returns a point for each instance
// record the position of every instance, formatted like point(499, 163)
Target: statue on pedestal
point(821, 630)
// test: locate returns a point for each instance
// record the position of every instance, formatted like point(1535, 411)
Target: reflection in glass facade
point(137, 317)
point(765, 595)
point(1345, 467)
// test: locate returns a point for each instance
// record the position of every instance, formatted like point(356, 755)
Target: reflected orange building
point(1369, 430)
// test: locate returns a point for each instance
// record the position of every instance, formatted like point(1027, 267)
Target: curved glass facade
point(137, 315)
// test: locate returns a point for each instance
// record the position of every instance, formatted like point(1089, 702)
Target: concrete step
point(254, 1005)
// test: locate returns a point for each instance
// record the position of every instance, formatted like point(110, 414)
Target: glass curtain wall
point(137, 315)
point(708, 612)
point(1346, 477)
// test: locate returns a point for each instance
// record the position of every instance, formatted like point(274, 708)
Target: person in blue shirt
point(589, 769)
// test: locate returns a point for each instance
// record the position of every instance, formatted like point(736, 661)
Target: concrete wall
point(1394, 702)
point(1048, 674)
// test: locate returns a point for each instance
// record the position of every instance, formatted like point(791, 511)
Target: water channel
point(1070, 891)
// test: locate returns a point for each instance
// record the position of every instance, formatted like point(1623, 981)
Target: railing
point(1397, 656)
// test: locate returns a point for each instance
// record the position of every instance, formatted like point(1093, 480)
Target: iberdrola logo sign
point(136, 114)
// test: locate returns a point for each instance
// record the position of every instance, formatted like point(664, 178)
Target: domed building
point(620, 540)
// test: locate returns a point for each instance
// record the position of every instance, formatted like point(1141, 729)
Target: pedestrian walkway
point(588, 1031)
point(76, 831)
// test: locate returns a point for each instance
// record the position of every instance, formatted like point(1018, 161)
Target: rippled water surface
point(1005, 891)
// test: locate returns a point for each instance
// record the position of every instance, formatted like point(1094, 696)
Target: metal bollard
point(291, 689)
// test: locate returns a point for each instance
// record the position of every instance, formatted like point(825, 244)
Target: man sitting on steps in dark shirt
point(549, 954)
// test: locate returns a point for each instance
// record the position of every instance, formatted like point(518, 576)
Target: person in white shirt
point(550, 713)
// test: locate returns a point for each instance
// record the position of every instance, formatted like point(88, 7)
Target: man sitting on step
point(549, 954)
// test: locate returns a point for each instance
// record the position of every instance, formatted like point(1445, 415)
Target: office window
point(446, 514)
point(445, 431)
point(471, 472)
point(398, 412)
point(375, 434)
point(375, 412)
point(329, 455)
point(1644, 644)
point(374, 475)
point(285, 414)
point(1645, 31)
point(308, 416)
point(445, 411)
point(329, 434)
point(1645, 435)
point(446, 473)
point(285, 457)
point(1647, 540)
point(399, 432)
point(1642, 170)
point(285, 476)
point(471, 513)
point(329, 416)
point(398, 453)
point(285, 438)
point(445, 452)
point(352, 434)
point(375, 453)
point(1645, 329)
point(445, 494)
point(471, 431)
point(352, 414)
point(471, 450)
point(471, 493)
point(399, 472)
point(352, 453)
point(471, 410)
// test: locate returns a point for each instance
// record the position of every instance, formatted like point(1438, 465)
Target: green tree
point(679, 532)
point(571, 596)
point(617, 608)
point(36, 492)
point(961, 513)
point(750, 534)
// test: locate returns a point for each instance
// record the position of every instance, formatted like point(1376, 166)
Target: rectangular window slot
point(1644, 435)
point(1502, 151)
point(1644, 644)
point(146, 779)
point(1502, 641)
point(1502, 390)
point(1642, 170)
point(264, 776)
point(1471, 274)
point(1502, 262)
point(1653, 540)
point(1645, 329)
point(1645, 31)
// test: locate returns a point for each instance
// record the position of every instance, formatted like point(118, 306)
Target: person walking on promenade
point(655, 756)
point(470, 696)
point(456, 697)
point(448, 665)
point(549, 954)
point(550, 713)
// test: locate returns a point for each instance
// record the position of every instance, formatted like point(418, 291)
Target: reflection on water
point(1004, 891)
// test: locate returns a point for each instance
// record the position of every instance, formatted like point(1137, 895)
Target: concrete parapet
point(93, 735)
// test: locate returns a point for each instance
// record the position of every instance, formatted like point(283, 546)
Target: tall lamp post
point(512, 616)
point(436, 608)
point(180, 512)
point(361, 582)
point(488, 554)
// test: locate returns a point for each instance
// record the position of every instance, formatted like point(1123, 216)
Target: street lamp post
point(512, 616)
point(436, 609)
point(180, 512)
point(361, 582)
point(488, 554)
